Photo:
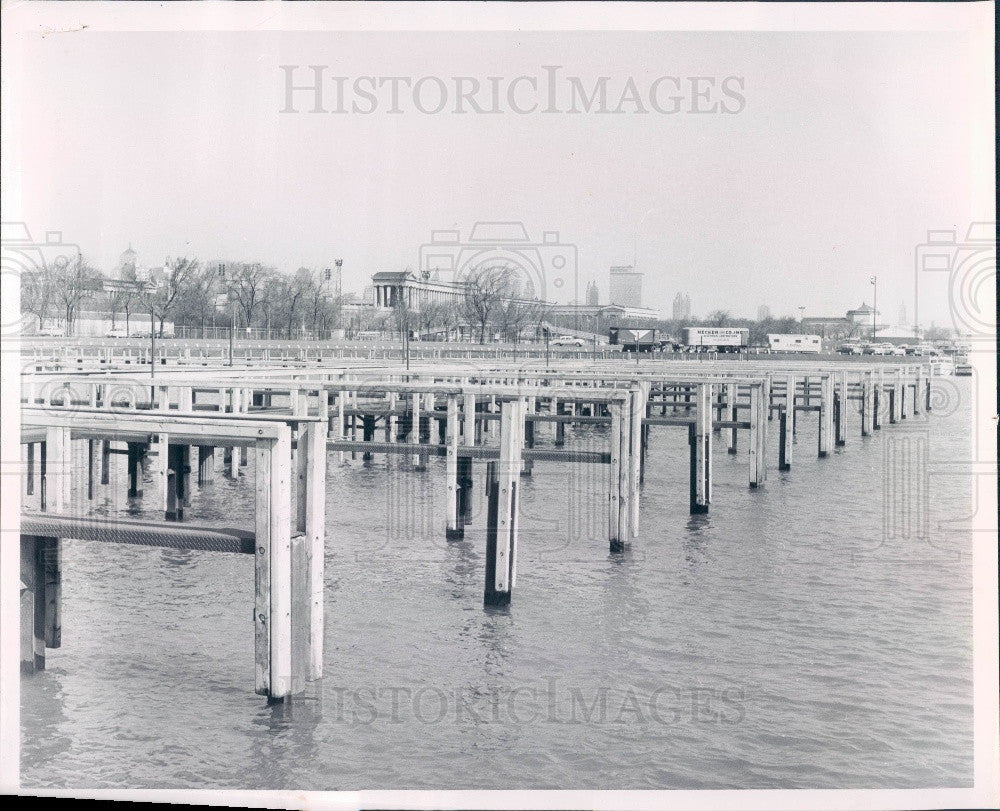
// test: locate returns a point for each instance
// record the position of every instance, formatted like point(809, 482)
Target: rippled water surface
point(803, 635)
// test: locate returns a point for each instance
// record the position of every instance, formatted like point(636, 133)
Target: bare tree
point(719, 318)
point(170, 287)
point(75, 280)
point(247, 284)
point(38, 293)
point(485, 288)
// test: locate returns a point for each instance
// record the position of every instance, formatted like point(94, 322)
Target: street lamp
point(874, 282)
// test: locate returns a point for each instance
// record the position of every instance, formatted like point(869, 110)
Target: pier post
point(32, 604)
point(415, 428)
point(731, 414)
point(91, 465)
point(790, 398)
point(367, 433)
point(310, 519)
point(867, 386)
point(105, 461)
point(638, 411)
point(338, 432)
point(158, 467)
point(917, 375)
point(501, 531)
point(701, 454)
point(560, 426)
point(206, 464)
point(272, 574)
point(56, 468)
point(133, 453)
point(29, 472)
point(618, 474)
point(469, 420)
point(529, 441)
point(454, 529)
point(841, 409)
point(784, 440)
point(758, 468)
point(877, 398)
point(390, 420)
point(825, 437)
point(494, 425)
point(927, 392)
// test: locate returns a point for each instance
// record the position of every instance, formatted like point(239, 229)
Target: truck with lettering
point(715, 339)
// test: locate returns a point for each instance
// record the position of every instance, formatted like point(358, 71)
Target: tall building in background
point(763, 312)
point(682, 307)
point(127, 263)
point(901, 318)
point(593, 297)
point(625, 286)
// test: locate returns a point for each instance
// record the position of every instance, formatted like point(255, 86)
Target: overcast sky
point(847, 149)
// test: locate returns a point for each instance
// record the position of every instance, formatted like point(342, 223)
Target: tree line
point(188, 293)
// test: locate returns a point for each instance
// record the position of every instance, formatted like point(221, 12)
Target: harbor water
point(813, 633)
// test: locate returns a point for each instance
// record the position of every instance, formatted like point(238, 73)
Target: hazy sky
point(849, 147)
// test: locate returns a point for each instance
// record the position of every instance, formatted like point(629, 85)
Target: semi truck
point(633, 339)
point(794, 343)
point(720, 339)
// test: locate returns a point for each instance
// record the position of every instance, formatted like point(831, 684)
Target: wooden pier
point(290, 418)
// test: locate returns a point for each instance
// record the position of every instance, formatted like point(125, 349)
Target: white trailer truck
point(717, 339)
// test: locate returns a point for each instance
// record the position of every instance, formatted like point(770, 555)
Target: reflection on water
point(793, 637)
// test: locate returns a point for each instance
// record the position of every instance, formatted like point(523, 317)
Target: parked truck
point(633, 339)
point(794, 343)
point(718, 339)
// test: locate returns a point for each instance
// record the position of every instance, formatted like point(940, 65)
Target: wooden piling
point(29, 473)
point(840, 417)
point(825, 438)
point(415, 428)
point(784, 441)
point(731, 414)
point(867, 403)
point(310, 517)
point(504, 507)
point(206, 464)
point(158, 468)
point(32, 607)
point(454, 529)
point(702, 451)
point(758, 468)
point(637, 412)
point(105, 461)
point(617, 474)
point(272, 590)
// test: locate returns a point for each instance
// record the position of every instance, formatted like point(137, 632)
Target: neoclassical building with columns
point(394, 288)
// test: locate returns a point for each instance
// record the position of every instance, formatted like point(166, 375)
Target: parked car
point(117, 332)
point(51, 332)
point(895, 350)
point(566, 340)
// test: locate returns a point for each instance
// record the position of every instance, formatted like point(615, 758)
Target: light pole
point(874, 281)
